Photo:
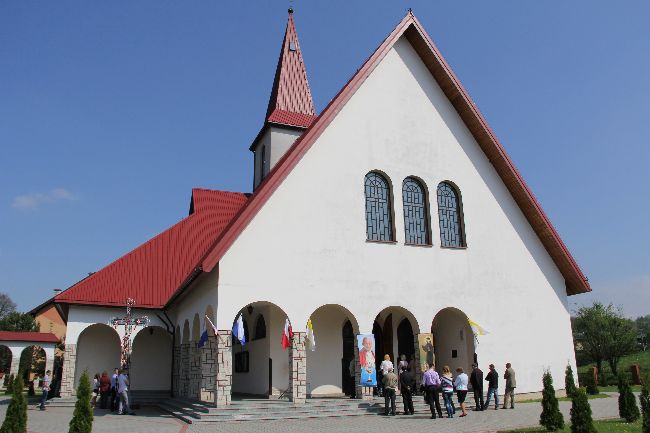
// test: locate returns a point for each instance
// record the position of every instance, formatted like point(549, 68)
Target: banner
point(425, 345)
point(366, 345)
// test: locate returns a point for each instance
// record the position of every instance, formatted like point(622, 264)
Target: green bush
point(551, 417)
point(5, 382)
point(16, 417)
point(592, 388)
point(627, 407)
point(581, 421)
point(645, 404)
point(82, 419)
point(10, 385)
point(569, 381)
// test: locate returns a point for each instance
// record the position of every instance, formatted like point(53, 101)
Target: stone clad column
point(417, 362)
point(176, 381)
point(361, 392)
point(223, 383)
point(195, 370)
point(298, 368)
point(208, 369)
point(69, 364)
point(185, 370)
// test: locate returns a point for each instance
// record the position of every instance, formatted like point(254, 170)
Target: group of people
point(433, 384)
point(113, 392)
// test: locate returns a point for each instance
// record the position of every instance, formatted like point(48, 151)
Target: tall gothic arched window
point(450, 216)
point(379, 226)
point(260, 328)
point(415, 212)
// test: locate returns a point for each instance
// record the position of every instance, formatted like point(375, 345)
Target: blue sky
point(110, 112)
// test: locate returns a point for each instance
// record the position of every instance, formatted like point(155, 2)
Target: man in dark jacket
point(492, 379)
point(407, 385)
point(476, 380)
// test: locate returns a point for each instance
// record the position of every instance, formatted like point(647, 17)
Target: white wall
point(98, 350)
point(151, 360)
point(277, 141)
point(452, 332)
point(307, 246)
point(256, 381)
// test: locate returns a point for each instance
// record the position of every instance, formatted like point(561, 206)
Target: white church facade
point(394, 212)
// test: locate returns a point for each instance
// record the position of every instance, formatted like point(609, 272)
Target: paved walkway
point(149, 420)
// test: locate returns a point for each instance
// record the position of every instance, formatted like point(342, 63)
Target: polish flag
point(287, 335)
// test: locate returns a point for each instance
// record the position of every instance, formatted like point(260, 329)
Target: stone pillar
point(195, 370)
point(69, 365)
point(298, 369)
point(208, 369)
point(417, 362)
point(223, 385)
point(361, 392)
point(176, 379)
point(185, 370)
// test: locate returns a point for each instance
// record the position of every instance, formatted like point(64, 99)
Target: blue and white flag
point(204, 335)
point(238, 330)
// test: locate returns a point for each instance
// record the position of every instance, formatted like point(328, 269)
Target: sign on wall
point(366, 345)
point(425, 345)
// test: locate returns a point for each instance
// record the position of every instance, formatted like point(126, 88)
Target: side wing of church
point(395, 212)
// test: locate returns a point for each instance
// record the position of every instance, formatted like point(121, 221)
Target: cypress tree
point(10, 385)
point(581, 421)
point(551, 417)
point(569, 381)
point(627, 407)
point(645, 404)
point(592, 388)
point(16, 417)
point(82, 419)
point(5, 382)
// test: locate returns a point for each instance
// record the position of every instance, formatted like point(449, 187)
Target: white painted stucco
point(151, 360)
point(276, 140)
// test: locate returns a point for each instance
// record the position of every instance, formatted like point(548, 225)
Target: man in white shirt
point(46, 388)
point(123, 392)
point(114, 395)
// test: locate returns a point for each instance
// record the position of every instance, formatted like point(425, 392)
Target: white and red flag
point(287, 335)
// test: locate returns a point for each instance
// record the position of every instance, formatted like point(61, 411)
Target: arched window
point(415, 212)
point(260, 328)
point(450, 216)
point(379, 226)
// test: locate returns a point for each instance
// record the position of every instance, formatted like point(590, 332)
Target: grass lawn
point(641, 358)
point(605, 426)
point(590, 397)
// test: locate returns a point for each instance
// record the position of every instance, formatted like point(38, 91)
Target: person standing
point(352, 370)
point(123, 392)
point(104, 390)
point(492, 378)
point(447, 382)
point(93, 401)
point(460, 383)
point(114, 395)
point(476, 380)
point(46, 388)
point(407, 383)
point(431, 384)
point(511, 384)
point(390, 386)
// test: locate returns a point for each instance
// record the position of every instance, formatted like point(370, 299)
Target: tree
point(6, 305)
point(604, 334)
point(627, 407)
point(643, 328)
point(551, 417)
point(645, 404)
point(581, 421)
point(16, 417)
point(10, 385)
point(82, 419)
point(18, 322)
point(569, 381)
point(592, 388)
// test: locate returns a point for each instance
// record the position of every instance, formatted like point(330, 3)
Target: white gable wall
point(307, 246)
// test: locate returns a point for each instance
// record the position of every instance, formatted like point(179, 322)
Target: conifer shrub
point(551, 417)
point(581, 421)
point(16, 416)
point(592, 388)
point(5, 381)
point(627, 407)
point(569, 381)
point(645, 404)
point(10, 384)
point(82, 419)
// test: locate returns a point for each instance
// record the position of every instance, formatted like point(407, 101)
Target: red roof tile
point(291, 102)
point(152, 272)
point(37, 337)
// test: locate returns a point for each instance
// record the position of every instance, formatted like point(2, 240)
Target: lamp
point(249, 309)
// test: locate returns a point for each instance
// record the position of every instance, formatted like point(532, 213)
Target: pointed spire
point(291, 102)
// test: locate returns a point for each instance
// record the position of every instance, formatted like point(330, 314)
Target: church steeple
point(291, 102)
point(291, 108)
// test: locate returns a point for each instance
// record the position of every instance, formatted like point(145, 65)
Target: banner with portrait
point(366, 345)
point(426, 346)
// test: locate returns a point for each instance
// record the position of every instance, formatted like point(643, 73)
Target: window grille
point(415, 212)
point(449, 214)
point(379, 226)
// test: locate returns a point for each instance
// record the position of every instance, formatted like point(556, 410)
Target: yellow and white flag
point(310, 336)
point(476, 328)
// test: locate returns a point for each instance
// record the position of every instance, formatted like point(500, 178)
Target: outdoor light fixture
point(249, 309)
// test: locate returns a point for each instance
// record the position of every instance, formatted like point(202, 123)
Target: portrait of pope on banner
point(366, 344)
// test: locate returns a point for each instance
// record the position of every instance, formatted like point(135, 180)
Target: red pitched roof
point(291, 102)
point(37, 337)
point(152, 272)
point(411, 28)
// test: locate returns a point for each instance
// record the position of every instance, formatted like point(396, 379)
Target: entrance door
point(347, 381)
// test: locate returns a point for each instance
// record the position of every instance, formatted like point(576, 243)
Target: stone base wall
point(223, 388)
point(184, 389)
point(208, 369)
point(298, 369)
point(176, 378)
point(195, 370)
point(417, 361)
point(69, 365)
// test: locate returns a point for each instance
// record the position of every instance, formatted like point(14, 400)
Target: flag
point(476, 328)
point(204, 338)
point(238, 330)
point(310, 336)
point(214, 328)
point(287, 335)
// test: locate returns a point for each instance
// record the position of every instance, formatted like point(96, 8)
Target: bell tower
point(291, 107)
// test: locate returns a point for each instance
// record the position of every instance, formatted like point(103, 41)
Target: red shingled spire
point(291, 102)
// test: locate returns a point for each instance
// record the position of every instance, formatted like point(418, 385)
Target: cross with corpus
point(129, 323)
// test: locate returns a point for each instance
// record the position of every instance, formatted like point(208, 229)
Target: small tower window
point(292, 46)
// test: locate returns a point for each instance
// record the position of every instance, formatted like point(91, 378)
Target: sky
point(111, 112)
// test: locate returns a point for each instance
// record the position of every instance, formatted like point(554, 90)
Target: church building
point(394, 212)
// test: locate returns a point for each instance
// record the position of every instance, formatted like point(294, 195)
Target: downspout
point(173, 332)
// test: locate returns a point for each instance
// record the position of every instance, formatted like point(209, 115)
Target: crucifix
point(129, 323)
